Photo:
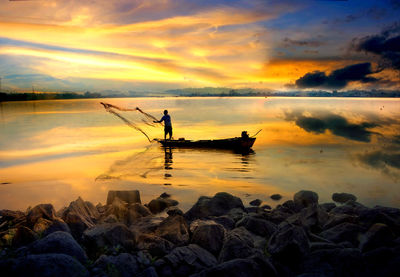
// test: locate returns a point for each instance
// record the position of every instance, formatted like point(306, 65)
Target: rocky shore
point(218, 236)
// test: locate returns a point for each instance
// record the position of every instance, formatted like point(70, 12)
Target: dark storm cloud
point(337, 79)
point(337, 124)
point(386, 46)
point(287, 42)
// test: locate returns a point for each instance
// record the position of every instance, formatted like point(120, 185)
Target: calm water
point(55, 151)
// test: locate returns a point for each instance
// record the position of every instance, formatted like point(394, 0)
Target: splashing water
point(148, 120)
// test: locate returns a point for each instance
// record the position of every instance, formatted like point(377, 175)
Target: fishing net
point(146, 118)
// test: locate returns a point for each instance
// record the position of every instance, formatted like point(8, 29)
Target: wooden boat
point(237, 143)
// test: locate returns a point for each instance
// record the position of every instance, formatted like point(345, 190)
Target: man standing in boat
point(167, 124)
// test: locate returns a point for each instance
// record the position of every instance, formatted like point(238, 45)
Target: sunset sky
point(152, 46)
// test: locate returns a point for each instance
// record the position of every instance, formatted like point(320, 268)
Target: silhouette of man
point(167, 124)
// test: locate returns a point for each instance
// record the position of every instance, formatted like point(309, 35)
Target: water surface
point(55, 151)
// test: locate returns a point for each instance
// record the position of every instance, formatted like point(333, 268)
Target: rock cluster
point(218, 236)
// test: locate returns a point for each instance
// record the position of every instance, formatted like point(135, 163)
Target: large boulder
point(239, 268)
point(378, 235)
point(343, 232)
point(128, 196)
point(255, 202)
point(108, 235)
point(48, 265)
point(313, 218)
point(123, 265)
point(351, 208)
point(45, 211)
point(184, 261)
point(136, 211)
point(23, 236)
point(343, 197)
point(218, 205)
point(210, 237)
point(43, 227)
point(258, 226)
point(238, 243)
point(79, 216)
point(336, 219)
point(175, 229)
point(61, 243)
point(156, 246)
point(119, 209)
point(160, 204)
point(305, 198)
point(289, 243)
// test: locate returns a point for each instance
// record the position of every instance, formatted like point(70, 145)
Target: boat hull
point(231, 143)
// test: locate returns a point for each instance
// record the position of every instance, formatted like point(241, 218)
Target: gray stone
point(61, 243)
point(160, 204)
point(23, 236)
point(255, 202)
point(313, 218)
point(175, 229)
point(123, 265)
point(351, 208)
point(336, 219)
point(184, 261)
point(108, 235)
point(276, 197)
point(343, 197)
point(258, 226)
point(128, 196)
point(328, 206)
point(45, 211)
point(210, 237)
point(289, 243)
point(49, 265)
point(377, 236)
point(218, 205)
point(305, 198)
point(236, 214)
point(156, 246)
point(343, 232)
point(146, 224)
point(238, 243)
point(174, 211)
point(240, 268)
point(225, 221)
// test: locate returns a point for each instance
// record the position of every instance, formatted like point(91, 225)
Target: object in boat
point(238, 143)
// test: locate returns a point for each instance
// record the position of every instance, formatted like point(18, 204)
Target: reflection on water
point(55, 151)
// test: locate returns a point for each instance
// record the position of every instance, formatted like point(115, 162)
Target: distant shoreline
point(14, 97)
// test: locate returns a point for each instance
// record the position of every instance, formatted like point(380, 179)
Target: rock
point(108, 235)
point(377, 236)
point(388, 216)
point(44, 227)
point(199, 222)
point(175, 229)
point(160, 204)
point(328, 206)
point(340, 261)
point(110, 219)
point(146, 224)
point(258, 226)
point(209, 237)
point(256, 202)
point(23, 236)
point(276, 197)
point(123, 265)
point(128, 196)
point(218, 205)
point(351, 208)
point(266, 207)
point(119, 209)
point(305, 198)
point(45, 211)
point(61, 243)
point(165, 195)
point(156, 246)
point(225, 221)
point(239, 268)
point(323, 245)
point(184, 261)
point(238, 243)
point(253, 210)
point(137, 211)
point(289, 243)
point(343, 232)
point(8, 215)
point(312, 218)
point(343, 197)
point(236, 214)
point(79, 216)
point(48, 265)
point(148, 272)
point(276, 215)
point(336, 219)
point(172, 211)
